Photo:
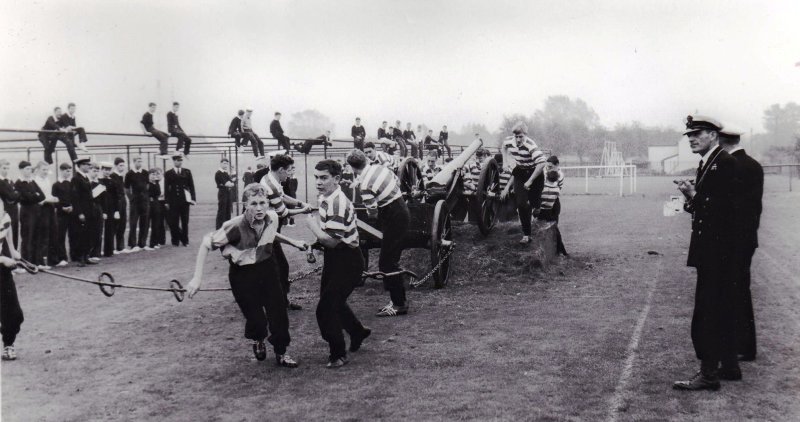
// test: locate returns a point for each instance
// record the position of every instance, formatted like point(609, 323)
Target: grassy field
point(598, 336)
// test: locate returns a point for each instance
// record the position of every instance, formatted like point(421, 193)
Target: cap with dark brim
point(80, 161)
point(177, 157)
point(698, 123)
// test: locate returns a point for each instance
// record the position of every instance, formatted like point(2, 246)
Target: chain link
point(435, 268)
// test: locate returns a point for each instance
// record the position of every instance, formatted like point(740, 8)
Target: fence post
point(790, 177)
point(305, 165)
point(586, 180)
point(622, 181)
point(324, 150)
point(128, 154)
point(236, 187)
point(29, 154)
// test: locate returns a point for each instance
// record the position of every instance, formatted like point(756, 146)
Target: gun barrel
point(445, 176)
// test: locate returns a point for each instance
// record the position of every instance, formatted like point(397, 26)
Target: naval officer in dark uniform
point(711, 200)
point(179, 194)
point(750, 176)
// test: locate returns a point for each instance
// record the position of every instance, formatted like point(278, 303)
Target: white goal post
point(594, 172)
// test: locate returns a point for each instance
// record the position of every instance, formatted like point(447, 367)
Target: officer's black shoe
point(730, 373)
point(699, 381)
point(286, 361)
point(746, 358)
point(337, 363)
point(295, 306)
point(355, 342)
point(260, 350)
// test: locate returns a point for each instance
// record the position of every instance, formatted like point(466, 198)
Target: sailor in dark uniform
point(82, 207)
point(711, 200)
point(225, 184)
point(180, 195)
point(750, 176)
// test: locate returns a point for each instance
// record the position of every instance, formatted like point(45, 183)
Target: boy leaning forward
point(247, 242)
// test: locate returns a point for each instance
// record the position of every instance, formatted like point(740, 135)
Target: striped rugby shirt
point(384, 159)
point(274, 195)
point(505, 176)
point(379, 186)
point(526, 156)
point(240, 242)
point(338, 218)
point(472, 175)
point(429, 171)
point(550, 194)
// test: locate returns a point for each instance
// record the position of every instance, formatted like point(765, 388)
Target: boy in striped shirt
point(528, 178)
point(281, 169)
point(379, 157)
point(551, 206)
point(247, 242)
point(380, 191)
point(335, 229)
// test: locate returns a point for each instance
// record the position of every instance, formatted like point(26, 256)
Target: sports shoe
point(19, 271)
point(44, 267)
point(337, 363)
point(126, 250)
point(355, 342)
point(9, 353)
point(285, 361)
point(259, 349)
point(82, 146)
point(525, 240)
point(94, 259)
point(136, 249)
point(157, 247)
point(63, 263)
point(392, 311)
point(147, 248)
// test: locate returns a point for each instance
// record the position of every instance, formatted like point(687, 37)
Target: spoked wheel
point(441, 243)
point(411, 180)
point(487, 196)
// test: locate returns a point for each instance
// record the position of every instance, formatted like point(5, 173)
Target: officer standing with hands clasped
point(179, 194)
point(711, 251)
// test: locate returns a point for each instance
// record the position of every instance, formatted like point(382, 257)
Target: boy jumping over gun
point(247, 242)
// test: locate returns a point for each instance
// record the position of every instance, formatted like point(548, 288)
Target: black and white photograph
point(385, 210)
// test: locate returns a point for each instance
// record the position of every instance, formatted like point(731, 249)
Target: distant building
point(671, 157)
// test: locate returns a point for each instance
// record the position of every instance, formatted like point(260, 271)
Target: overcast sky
point(433, 62)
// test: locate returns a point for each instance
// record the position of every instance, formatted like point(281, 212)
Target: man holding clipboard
point(179, 195)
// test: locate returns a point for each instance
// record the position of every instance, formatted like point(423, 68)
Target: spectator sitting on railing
point(305, 147)
point(359, 134)
point(67, 122)
point(149, 129)
point(49, 139)
point(411, 140)
point(443, 136)
point(397, 136)
point(249, 135)
point(235, 130)
point(277, 132)
point(175, 129)
point(432, 144)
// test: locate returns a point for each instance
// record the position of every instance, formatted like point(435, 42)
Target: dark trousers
point(81, 135)
point(119, 229)
point(260, 297)
point(163, 140)
point(446, 146)
point(95, 226)
point(413, 148)
point(224, 206)
point(109, 235)
point(713, 320)
point(11, 316)
point(49, 141)
point(527, 199)
point(139, 218)
point(184, 142)
point(58, 249)
point(255, 142)
point(284, 142)
point(237, 141)
point(283, 269)
point(340, 274)
point(13, 214)
point(79, 240)
point(29, 219)
point(393, 219)
point(745, 318)
point(358, 143)
point(551, 214)
point(158, 235)
point(178, 221)
point(45, 231)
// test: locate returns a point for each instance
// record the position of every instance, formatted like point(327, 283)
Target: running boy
point(246, 241)
point(335, 229)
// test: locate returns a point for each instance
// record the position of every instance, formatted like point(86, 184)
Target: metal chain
point(435, 268)
point(303, 275)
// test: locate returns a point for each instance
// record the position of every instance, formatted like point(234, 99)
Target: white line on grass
point(618, 399)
